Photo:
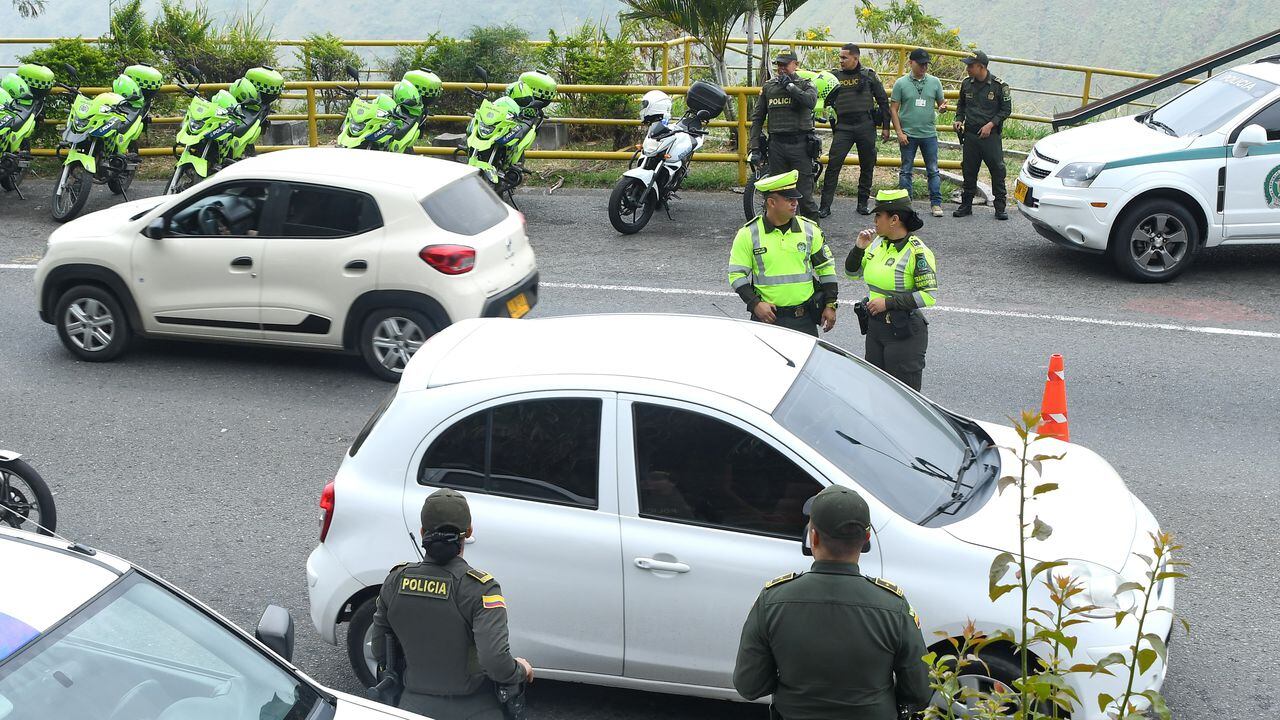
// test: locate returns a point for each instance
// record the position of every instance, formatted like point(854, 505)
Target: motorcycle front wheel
point(630, 206)
point(119, 184)
point(184, 176)
point(25, 500)
point(752, 201)
point(71, 193)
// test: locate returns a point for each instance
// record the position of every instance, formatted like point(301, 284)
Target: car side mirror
point(275, 630)
point(353, 73)
point(1251, 136)
point(482, 73)
point(156, 229)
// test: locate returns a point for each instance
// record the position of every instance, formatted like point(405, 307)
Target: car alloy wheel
point(1159, 242)
point(89, 324)
point(395, 341)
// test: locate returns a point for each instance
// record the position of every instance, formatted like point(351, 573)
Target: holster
point(390, 685)
point(899, 322)
point(813, 145)
point(864, 317)
point(511, 697)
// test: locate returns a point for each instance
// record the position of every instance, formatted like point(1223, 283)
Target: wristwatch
point(833, 304)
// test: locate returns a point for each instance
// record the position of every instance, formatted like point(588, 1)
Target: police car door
point(711, 509)
point(1252, 204)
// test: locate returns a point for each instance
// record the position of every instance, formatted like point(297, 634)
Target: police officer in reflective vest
point(450, 622)
point(902, 279)
point(786, 105)
point(980, 114)
point(832, 642)
point(860, 104)
point(780, 265)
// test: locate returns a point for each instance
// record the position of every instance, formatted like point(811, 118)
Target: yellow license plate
point(1020, 192)
point(518, 306)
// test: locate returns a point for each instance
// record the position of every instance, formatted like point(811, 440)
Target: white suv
point(1153, 189)
point(322, 248)
point(636, 479)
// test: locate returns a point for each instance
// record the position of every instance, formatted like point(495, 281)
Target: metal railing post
point(902, 61)
point(688, 58)
point(1088, 86)
point(313, 132)
point(666, 63)
point(742, 137)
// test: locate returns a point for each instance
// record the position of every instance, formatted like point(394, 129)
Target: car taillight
point(449, 259)
point(326, 504)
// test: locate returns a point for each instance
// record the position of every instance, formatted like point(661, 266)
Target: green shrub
point(324, 58)
point(588, 56)
point(129, 40)
point(186, 37)
point(502, 50)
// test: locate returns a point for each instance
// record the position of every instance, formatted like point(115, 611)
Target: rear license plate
point(518, 306)
point(1020, 192)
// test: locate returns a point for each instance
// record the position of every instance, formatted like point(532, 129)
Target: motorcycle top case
point(706, 96)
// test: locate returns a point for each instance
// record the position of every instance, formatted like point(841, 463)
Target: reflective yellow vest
point(910, 273)
point(781, 264)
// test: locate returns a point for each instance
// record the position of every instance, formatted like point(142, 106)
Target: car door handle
point(356, 265)
point(661, 565)
point(244, 261)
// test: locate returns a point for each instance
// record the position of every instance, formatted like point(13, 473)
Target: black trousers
point(791, 152)
point(482, 705)
point(976, 152)
point(805, 323)
point(902, 358)
point(863, 136)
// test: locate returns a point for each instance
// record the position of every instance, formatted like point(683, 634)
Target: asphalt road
point(205, 463)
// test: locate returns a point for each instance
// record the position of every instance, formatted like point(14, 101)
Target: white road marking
point(963, 310)
point(17, 267)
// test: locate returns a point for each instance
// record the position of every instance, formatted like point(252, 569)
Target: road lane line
point(962, 310)
point(17, 267)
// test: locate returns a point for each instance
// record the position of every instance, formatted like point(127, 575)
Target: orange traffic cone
point(1053, 409)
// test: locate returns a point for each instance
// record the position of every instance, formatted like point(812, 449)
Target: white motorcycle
point(662, 162)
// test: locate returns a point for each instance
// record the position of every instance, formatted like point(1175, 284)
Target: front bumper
point(1069, 216)
point(329, 586)
point(496, 306)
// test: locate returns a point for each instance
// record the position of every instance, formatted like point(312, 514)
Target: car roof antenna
point(766, 342)
point(73, 546)
point(413, 540)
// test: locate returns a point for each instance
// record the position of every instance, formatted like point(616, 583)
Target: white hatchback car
point(84, 634)
point(635, 479)
point(322, 248)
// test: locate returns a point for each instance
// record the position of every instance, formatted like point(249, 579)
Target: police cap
point(783, 184)
point(784, 58)
point(839, 512)
point(978, 57)
point(445, 508)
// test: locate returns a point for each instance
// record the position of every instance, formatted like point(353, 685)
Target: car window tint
point(546, 450)
point(368, 426)
point(329, 212)
point(231, 210)
point(696, 469)
point(1269, 119)
point(466, 207)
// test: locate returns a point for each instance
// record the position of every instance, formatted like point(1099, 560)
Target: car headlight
point(1079, 174)
point(1100, 585)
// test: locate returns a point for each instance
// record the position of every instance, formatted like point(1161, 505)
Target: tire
point(1001, 666)
point(92, 324)
point(623, 204)
point(23, 493)
point(389, 337)
point(1155, 241)
point(183, 177)
point(359, 647)
point(119, 185)
point(76, 182)
point(14, 182)
point(752, 201)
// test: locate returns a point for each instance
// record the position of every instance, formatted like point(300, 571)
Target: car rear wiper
point(917, 463)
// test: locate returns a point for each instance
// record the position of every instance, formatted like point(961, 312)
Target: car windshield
point(891, 441)
point(1207, 106)
point(139, 651)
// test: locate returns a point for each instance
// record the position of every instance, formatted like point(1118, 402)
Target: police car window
point(230, 210)
point(467, 206)
point(546, 450)
point(1207, 106)
point(692, 468)
point(1269, 119)
point(329, 212)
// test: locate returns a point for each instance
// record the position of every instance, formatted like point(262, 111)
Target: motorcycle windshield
point(362, 111)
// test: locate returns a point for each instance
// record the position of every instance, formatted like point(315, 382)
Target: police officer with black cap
point(786, 105)
point(860, 104)
point(983, 107)
point(831, 642)
point(450, 622)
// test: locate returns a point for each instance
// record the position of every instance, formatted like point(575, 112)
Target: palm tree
point(772, 13)
point(710, 21)
point(29, 8)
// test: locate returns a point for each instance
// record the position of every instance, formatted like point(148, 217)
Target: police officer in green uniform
point(980, 114)
point(786, 105)
point(902, 279)
point(860, 104)
point(831, 642)
point(450, 622)
point(780, 265)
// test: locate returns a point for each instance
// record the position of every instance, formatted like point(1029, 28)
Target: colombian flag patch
point(493, 602)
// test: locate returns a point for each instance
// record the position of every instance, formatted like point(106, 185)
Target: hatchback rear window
point(466, 207)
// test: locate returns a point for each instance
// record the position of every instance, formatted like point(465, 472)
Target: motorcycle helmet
point(267, 81)
point(654, 106)
point(244, 91)
point(148, 78)
point(824, 82)
point(38, 77)
point(532, 85)
point(406, 95)
point(127, 88)
point(428, 84)
point(15, 87)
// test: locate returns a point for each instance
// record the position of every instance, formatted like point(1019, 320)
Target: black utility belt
point(798, 310)
point(789, 137)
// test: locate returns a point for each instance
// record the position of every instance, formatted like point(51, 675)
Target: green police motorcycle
point(394, 122)
point(225, 128)
point(502, 129)
point(22, 97)
point(101, 139)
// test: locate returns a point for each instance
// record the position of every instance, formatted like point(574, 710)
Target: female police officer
point(901, 277)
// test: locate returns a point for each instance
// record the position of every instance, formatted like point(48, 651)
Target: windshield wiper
point(1151, 121)
point(917, 463)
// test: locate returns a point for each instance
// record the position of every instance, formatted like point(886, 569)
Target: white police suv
point(1154, 189)
point(84, 634)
